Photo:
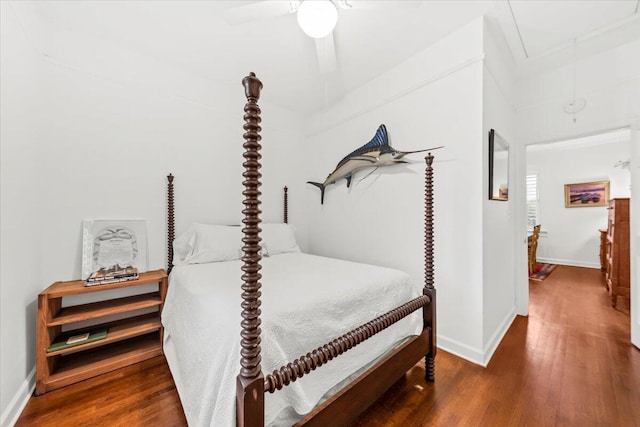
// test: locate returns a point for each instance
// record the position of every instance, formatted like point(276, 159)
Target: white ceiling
point(547, 25)
point(614, 136)
point(194, 36)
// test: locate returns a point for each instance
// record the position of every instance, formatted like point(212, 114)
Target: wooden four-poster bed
point(361, 385)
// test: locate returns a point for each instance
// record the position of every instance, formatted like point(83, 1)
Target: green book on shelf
point(72, 339)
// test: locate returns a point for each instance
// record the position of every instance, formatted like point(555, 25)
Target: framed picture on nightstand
point(113, 245)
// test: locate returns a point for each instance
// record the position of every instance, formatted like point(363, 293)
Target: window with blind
point(532, 201)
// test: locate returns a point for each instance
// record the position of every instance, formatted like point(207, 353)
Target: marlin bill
point(375, 153)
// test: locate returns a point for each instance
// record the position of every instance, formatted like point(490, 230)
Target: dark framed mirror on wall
point(498, 167)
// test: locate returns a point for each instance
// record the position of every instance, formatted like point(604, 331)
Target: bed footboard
point(321, 355)
point(344, 407)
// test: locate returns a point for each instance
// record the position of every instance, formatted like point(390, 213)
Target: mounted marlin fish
point(375, 153)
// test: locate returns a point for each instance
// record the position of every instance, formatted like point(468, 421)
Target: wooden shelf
point(91, 363)
point(129, 340)
point(94, 310)
point(75, 287)
point(116, 331)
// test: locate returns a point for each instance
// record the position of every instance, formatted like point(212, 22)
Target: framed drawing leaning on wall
point(113, 250)
point(586, 194)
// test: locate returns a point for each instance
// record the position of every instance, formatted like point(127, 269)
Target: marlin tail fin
point(321, 187)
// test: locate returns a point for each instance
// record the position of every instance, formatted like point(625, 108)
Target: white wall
point(21, 210)
point(109, 126)
point(570, 235)
point(122, 128)
point(498, 223)
point(435, 98)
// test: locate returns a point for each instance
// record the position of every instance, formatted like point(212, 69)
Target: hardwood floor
point(569, 363)
point(139, 395)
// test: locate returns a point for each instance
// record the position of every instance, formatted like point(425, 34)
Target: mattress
point(307, 301)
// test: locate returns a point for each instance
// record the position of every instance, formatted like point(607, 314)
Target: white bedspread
point(201, 317)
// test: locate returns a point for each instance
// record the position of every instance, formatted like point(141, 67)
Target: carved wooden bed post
point(250, 382)
point(170, 222)
point(429, 311)
point(286, 205)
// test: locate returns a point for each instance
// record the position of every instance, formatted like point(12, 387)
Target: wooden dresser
point(603, 253)
point(618, 255)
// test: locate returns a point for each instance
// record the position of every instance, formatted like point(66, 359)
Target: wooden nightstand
point(129, 340)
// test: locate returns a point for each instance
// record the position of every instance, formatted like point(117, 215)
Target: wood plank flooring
point(569, 363)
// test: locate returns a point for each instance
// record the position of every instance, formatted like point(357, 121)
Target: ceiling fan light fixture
point(317, 18)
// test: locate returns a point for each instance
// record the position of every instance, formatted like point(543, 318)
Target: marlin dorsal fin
point(379, 140)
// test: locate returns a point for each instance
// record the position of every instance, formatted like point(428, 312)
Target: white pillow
point(203, 243)
point(215, 243)
point(278, 238)
point(183, 245)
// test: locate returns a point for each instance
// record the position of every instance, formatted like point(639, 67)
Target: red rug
point(541, 271)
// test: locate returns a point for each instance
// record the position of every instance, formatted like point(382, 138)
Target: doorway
point(571, 236)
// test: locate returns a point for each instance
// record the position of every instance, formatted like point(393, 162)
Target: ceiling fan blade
point(259, 10)
point(326, 53)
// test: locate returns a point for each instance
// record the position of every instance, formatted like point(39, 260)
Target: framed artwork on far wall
point(586, 194)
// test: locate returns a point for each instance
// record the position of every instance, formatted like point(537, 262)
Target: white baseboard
point(498, 335)
point(16, 406)
point(570, 262)
point(476, 355)
point(473, 355)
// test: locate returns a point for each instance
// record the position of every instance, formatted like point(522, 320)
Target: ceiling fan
point(316, 18)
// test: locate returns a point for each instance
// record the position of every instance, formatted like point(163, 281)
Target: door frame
point(520, 244)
